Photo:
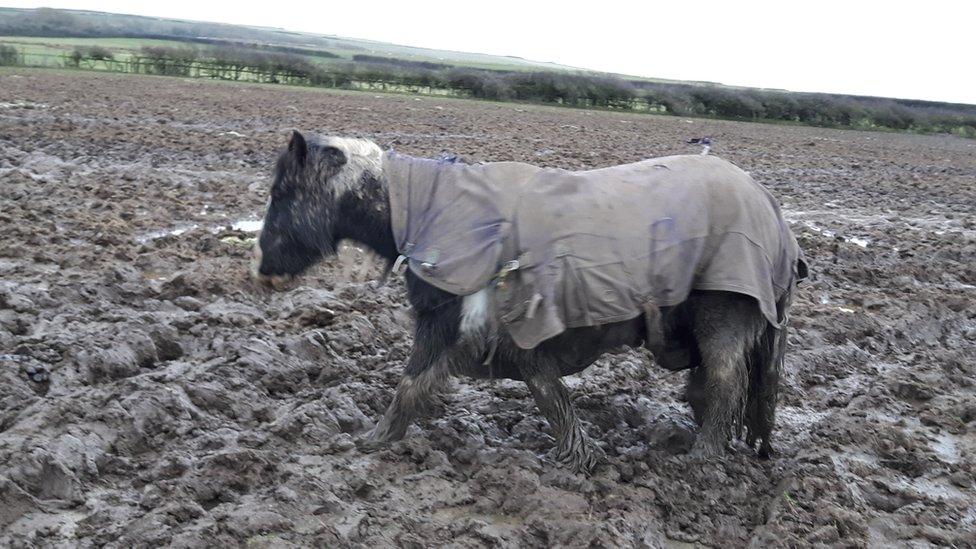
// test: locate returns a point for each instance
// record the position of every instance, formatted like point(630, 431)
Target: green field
point(53, 52)
point(40, 50)
point(37, 51)
point(97, 24)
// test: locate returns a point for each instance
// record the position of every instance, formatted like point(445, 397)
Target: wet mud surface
point(151, 394)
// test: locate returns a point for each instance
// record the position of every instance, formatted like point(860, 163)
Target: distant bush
point(726, 102)
point(546, 87)
point(89, 53)
point(275, 66)
point(99, 53)
point(166, 60)
point(184, 54)
point(393, 61)
point(240, 44)
point(815, 109)
point(9, 55)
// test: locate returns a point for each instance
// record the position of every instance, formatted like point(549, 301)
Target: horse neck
point(364, 216)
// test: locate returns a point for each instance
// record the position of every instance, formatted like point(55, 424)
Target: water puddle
point(248, 225)
point(856, 240)
point(22, 105)
point(800, 419)
point(243, 225)
point(154, 235)
point(935, 225)
point(944, 446)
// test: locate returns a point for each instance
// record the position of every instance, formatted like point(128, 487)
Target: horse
point(327, 190)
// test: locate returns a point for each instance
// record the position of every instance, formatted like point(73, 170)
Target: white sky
point(919, 50)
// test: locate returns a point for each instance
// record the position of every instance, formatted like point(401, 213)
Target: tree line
point(581, 90)
point(586, 90)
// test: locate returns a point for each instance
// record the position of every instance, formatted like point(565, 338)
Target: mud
point(151, 394)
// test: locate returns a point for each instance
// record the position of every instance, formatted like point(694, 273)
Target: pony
point(327, 190)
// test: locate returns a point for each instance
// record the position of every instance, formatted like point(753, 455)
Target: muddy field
point(151, 394)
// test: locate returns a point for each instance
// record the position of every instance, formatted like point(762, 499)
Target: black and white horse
point(331, 189)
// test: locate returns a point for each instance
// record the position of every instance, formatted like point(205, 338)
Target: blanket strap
point(654, 336)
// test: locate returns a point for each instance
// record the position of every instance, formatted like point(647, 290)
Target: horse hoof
point(371, 443)
point(704, 450)
point(583, 459)
point(370, 446)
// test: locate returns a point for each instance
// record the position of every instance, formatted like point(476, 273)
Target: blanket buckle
point(508, 267)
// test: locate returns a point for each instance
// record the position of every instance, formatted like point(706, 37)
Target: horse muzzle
point(276, 282)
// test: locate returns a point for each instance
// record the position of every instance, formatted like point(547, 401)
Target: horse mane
point(363, 157)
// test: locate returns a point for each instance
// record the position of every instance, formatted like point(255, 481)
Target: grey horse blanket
point(571, 249)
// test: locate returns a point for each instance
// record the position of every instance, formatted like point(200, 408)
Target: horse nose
point(264, 276)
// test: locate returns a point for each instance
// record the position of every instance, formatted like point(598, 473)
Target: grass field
point(32, 47)
point(37, 50)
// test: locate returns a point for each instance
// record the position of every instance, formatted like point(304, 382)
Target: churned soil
point(151, 394)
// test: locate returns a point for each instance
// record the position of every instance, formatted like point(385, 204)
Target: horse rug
point(568, 249)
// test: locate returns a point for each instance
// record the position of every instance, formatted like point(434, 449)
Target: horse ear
point(297, 147)
point(336, 157)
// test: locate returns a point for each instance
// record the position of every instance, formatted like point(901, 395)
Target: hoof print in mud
point(33, 370)
point(37, 373)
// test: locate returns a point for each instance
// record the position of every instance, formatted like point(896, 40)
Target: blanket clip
point(398, 263)
point(508, 267)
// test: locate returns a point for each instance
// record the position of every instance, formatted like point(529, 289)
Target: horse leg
point(573, 446)
point(413, 395)
point(435, 354)
point(727, 327)
point(765, 368)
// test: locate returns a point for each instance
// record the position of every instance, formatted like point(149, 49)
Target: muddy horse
point(506, 280)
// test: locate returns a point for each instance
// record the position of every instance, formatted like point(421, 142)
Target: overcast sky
point(919, 50)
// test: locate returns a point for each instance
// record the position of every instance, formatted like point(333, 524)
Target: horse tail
point(765, 364)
